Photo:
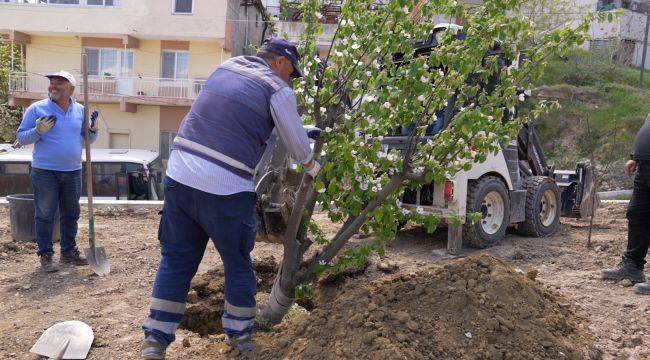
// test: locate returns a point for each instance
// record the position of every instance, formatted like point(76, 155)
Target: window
point(166, 142)
point(175, 65)
point(67, 2)
point(182, 6)
point(109, 62)
point(100, 2)
point(14, 169)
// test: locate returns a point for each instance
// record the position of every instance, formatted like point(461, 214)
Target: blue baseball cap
point(284, 48)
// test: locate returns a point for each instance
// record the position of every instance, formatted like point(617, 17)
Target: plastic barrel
point(21, 214)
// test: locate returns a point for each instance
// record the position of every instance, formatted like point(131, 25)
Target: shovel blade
point(65, 340)
point(98, 260)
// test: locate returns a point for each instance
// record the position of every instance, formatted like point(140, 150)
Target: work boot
point(73, 257)
point(626, 269)
point(642, 288)
point(242, 344)
point(47, 265)
point(152, 349)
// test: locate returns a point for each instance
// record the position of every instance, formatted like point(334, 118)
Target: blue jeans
point(52, 190)
point(189, 218)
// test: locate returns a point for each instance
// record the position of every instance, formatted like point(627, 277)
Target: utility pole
point(645, 41)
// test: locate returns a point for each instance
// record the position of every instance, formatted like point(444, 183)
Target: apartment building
point(147, 59)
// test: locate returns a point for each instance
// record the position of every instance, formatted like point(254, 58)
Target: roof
point(98, 155)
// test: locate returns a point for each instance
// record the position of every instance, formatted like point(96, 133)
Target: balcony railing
point(114, 86)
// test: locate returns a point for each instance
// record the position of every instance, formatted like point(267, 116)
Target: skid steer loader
point(515, 186)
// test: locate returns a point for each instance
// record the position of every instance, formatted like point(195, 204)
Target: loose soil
point(567, 312)
point(477, 307)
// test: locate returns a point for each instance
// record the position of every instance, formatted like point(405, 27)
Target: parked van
point(121, 174)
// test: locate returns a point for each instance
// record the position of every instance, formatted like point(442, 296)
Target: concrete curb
point(115, 204)
point(612, 195)
point(614, 201)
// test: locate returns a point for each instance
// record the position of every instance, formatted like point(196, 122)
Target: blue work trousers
point(52, 190)
point(189, 218)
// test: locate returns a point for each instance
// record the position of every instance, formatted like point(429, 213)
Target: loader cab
point(120, 174)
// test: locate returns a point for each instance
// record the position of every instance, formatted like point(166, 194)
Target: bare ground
point(114, 306)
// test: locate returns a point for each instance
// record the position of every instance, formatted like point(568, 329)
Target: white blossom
point(490, 117)
point(321, 190)
point(323, 110)
point(421, 98)
point(355, 46)
point(370, 98)
point(406, 212)
point(355, 83)
point(419, 210)
point(368, 73)
point(522, 97)
point(405, 9)
point(328, 129)
point(322, 262)
point(424, 79)
point(350, 22)
point(319, 15)
point(309, 100)
point(353, 36)
point(344, 22)
point(386, 105)
point(318, 60)
point(363, 186)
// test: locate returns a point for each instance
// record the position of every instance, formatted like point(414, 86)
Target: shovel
point(65, 340)
point(96, 256)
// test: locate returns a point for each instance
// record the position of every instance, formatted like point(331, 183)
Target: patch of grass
point(591, 89)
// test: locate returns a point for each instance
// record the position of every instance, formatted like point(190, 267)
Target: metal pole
point(89, 165)
point(12, 55)
point(645, 45)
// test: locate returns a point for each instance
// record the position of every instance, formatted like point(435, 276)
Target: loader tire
point(489, 196)
point(542, 207)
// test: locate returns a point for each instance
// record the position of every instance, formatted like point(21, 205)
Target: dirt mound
point(477, 307)
point(206, 296)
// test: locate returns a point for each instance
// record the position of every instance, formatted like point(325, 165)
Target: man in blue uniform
point(209, 190)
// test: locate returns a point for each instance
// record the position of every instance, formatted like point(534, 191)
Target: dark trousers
point(190, 217)
point(52, 190)
point(638, 216)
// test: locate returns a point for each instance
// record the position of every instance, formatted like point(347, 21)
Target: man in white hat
point(55, 127)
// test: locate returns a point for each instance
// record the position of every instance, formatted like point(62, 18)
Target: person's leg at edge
point(638, 214)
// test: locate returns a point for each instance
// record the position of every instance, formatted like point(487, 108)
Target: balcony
point(112, 89)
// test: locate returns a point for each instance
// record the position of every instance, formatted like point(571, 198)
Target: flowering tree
point(357, 94)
